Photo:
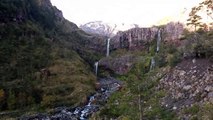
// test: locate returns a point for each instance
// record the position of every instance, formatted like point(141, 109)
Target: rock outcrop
point(119, 65)
point(173, 32)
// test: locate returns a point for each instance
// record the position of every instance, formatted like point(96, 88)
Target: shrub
point(192, 110)
point(173, 59)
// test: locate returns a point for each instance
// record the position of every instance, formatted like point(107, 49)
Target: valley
point(51, 69)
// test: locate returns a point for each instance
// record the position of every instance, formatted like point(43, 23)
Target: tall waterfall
point(96, 68)
point(152, 65)
point(158, 40)
point(108, 45)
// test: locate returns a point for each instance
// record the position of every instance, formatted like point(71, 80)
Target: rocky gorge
point(52, 70)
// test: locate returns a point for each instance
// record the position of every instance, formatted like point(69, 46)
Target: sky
point(141, 12)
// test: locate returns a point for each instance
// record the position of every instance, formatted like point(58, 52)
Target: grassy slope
point(40, 40)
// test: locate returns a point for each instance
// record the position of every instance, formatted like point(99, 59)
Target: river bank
point(106, 86)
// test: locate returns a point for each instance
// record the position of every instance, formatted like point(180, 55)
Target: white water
point(108, 46)
point(152, 63)
point(158, 40)
point(96, 68)
point(91, 99)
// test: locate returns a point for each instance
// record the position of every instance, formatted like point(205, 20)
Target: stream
point(106, 86)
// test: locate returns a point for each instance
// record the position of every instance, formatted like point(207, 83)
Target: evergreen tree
point(195, 18)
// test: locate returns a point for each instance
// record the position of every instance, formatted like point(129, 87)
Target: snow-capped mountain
point(106, 29)
point(99, 27)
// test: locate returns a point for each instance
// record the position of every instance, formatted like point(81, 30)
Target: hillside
point(42, 65)
point(168, 78)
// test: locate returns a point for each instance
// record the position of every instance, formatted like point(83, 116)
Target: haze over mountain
point(145, 13)
point(106, 29)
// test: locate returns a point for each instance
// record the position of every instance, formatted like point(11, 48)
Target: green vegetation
point(195, 18)
point(199, 44)
point(34, 36)
point(192, 110)
point(125, 103)
point(142, 84)
point(206, 111)
point(198, 112)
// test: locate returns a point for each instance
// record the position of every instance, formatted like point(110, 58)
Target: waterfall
point(96, 68)
point(158, 40)
point(108, 45)
point(91, 99)
point(152, 65)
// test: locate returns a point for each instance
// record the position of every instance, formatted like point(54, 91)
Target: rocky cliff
point(135, 38)
point(119, 65)
point(140, 38)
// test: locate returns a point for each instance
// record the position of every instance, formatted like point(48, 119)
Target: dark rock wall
point(139, 38)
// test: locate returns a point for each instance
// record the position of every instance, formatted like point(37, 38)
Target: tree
point(209, 7)
point(11, 100)
point(195, 18)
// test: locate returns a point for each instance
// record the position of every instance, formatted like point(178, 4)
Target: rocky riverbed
point(105, 87)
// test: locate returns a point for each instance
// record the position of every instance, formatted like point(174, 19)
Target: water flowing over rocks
point(189, 83)
point(108, 47)
point(158, 40)
point(96, 68)
point(152, 65)
point(106, 87)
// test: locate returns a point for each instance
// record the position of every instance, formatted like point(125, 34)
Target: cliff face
point(140, 38)
point(135, 38)
point(119, 65)
point(173, 32)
